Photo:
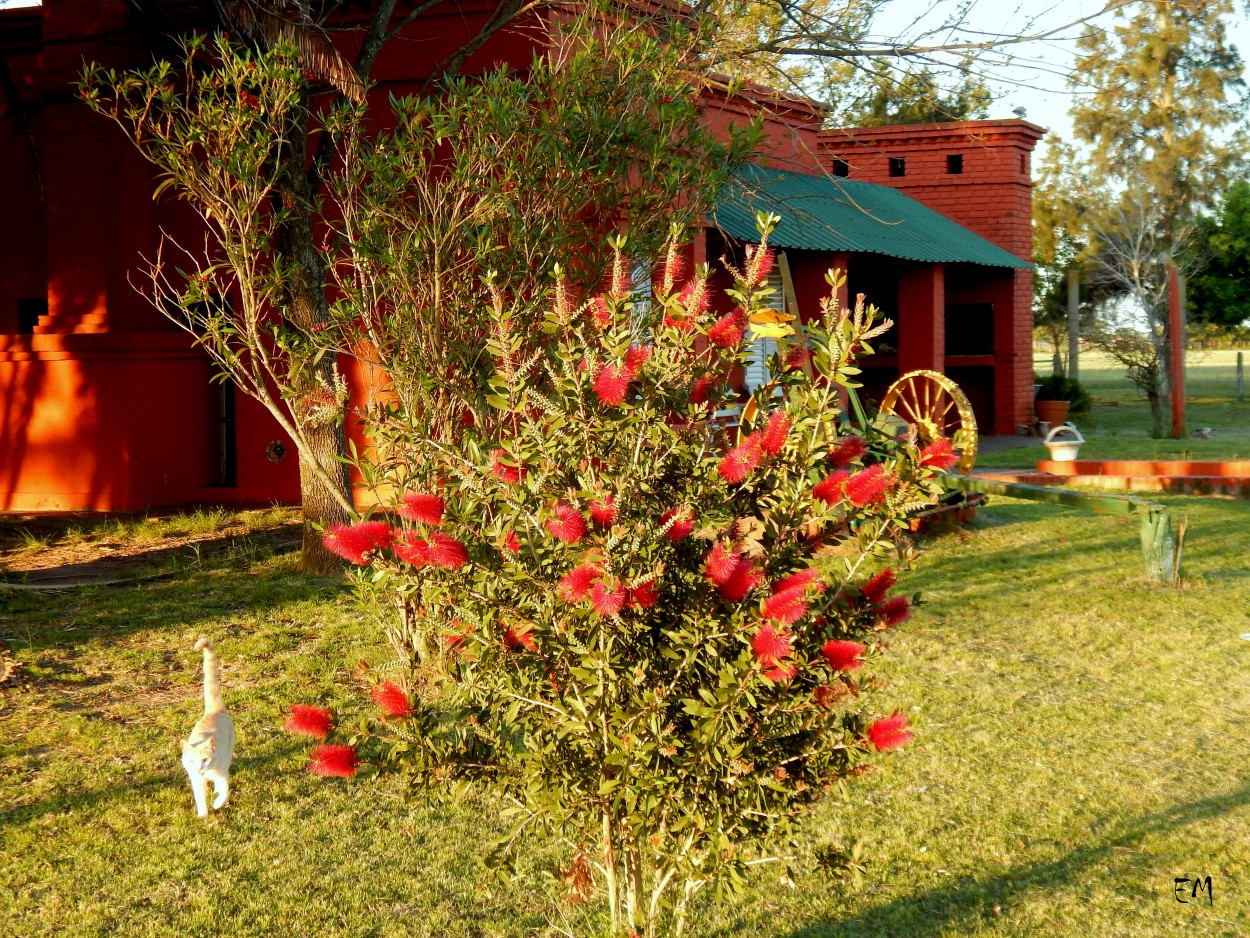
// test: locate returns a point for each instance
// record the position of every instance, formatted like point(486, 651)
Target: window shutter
point(640, 296)
point(762, 349)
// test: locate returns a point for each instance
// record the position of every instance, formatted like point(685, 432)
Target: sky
point(1035, 76)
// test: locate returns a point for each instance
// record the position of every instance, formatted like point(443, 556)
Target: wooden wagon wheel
point(935, 406)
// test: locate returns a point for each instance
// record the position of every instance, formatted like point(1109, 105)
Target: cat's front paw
point(219, 801)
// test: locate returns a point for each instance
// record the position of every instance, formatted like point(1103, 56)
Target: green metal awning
point(824, 213)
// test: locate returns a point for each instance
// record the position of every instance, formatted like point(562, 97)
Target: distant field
point(1118, 425)
point(1210, 376)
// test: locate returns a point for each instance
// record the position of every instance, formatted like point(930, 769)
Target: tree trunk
point(322, 505)
point(1156, 414)
point(325, 444)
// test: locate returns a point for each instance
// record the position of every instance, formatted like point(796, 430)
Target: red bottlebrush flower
point(511, 543)
point(740, 583)
point(869, 487)
point(939, 455)
point(773, 437)
point(844, 655)
point(603, 512)
point(575, 585)
point(622, 280)
point(797, 357)
point(781, 673)
point(849, 448)
point(702, 389)
point(426, 509)
point(875, 589)
point(381, 533)
point(889, 733)
point(740, 461)
point(334, 761)
point(518, 637)
point(830, 489)
point(644, 596)
point(721, 563)
point(607, 598)
point(413, 550)
point(635, 358)
point(502, 471)
point(693, 299)
point(770, 646)
point(682, 523)
point(759, 266)
point(728, 331)
point(391, 699)
point(612, 384)
point(786, 606)
point(801, 579)
point(349, 542)
point(822, 696)
point(568, 525)
point(674, 267)
point(307, 720)
point(894, 611)
point(601, 312)
point(562, 302)
point(446, 552)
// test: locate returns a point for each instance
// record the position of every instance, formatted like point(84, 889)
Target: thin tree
point(1158, 132)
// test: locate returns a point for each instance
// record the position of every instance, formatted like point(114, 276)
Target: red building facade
point(105, 404)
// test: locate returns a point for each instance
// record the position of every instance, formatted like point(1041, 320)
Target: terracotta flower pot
point(1052, 412)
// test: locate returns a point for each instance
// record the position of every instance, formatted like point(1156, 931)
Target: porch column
point(922, 318)
point(1013, 350)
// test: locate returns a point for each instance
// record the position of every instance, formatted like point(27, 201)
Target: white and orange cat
point(207, 752)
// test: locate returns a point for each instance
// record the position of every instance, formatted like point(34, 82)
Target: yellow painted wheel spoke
point(937, 408)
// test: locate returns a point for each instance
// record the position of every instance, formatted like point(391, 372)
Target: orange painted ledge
point(1239, 469)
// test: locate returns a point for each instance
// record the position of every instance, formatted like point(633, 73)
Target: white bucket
point(1063, 450)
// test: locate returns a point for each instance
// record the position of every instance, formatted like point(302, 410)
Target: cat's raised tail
point(212, 676)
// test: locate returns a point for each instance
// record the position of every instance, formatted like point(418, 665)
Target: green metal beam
point(1116, 504)
point(1159, 544)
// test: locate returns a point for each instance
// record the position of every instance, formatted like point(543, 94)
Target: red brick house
point(105, 404)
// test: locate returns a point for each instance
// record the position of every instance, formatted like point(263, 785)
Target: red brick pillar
point(1013, 351)
point(922, 318)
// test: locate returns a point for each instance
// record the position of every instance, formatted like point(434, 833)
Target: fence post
point(1241, 381)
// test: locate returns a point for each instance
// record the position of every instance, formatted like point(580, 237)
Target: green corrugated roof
point(824, 213)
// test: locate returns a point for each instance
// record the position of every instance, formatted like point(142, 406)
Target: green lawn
point(1118, 426)
point(1083, 738)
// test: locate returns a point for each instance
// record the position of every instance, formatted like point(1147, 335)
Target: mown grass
point(1118, 425)
point(1082, 738)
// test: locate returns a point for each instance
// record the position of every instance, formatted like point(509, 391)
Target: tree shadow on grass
point(231, 589)
point(131, 790)
point(966, 903)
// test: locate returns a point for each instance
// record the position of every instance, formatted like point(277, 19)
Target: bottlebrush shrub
point(668, 684)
